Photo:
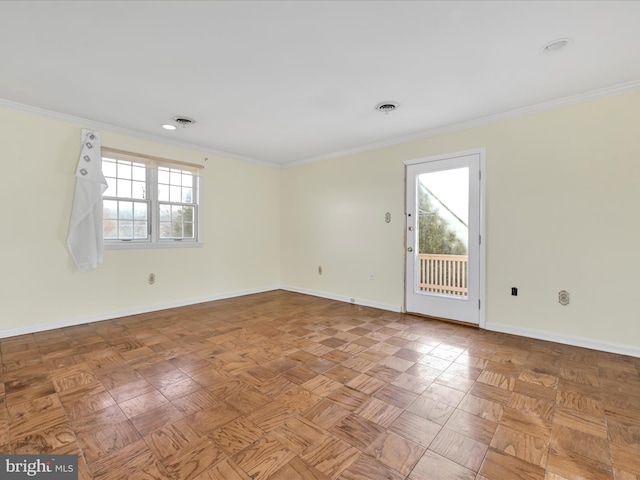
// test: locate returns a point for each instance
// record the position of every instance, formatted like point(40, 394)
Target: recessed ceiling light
point(386, 107)
point(168, 126)
point(556, 46)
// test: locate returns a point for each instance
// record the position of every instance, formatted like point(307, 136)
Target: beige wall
point(563, 193)
point(39, 284)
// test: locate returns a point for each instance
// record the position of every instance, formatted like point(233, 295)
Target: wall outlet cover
point(563, 297)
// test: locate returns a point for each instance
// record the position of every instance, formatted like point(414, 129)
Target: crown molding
point(85, 122)
point(498, 117)
point(451, 128)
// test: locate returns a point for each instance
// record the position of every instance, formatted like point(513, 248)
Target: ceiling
point(286, 82)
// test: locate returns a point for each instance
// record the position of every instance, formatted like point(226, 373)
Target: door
point(444, 251)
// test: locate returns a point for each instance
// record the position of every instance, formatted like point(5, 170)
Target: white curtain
point(85, 239)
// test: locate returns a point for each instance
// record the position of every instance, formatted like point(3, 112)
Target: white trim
point(454, 127)
point(561, 338)
point(478, 122)
point(140, 245)
point(41, 327)
point(342, 298)
point(494, 327)
point(446, 156)
point(482, 317)
point(130, 132)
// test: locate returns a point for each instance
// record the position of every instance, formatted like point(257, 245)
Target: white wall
point(563, 193)
point(40, 286)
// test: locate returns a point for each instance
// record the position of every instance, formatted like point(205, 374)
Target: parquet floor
point(286, 386)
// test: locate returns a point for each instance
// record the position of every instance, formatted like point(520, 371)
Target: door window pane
point(443, 231)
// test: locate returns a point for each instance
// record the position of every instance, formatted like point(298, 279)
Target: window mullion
point(152, 185)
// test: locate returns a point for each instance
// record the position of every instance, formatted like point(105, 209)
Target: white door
point(444, 250)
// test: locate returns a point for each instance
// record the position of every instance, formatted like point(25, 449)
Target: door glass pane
point(443, 232)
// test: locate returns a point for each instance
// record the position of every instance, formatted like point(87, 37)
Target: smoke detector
point(183, 121)
point(386, 107)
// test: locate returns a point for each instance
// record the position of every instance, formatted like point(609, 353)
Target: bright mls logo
point(49, 467)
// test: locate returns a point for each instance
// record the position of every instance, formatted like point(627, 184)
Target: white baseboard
point(621, 349)
point(343, 298)
point(41, 327)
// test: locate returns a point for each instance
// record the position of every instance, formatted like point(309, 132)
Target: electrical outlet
point(151, 278)
point(372, 276)
point(514, 291)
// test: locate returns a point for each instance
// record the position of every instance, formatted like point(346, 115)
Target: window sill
point(150, 246)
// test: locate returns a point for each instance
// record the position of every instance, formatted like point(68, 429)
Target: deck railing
point(443, 274)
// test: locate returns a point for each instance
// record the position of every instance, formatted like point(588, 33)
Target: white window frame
point(153, 239)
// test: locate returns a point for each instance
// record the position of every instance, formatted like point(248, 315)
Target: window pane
point(188, 214)
point(124, 170)
point(165, 229)
point(165, 213)
point(188, 230)
point(139, 173)
point(176, 177)
point(176, 194)
point(443, 232)
point(126, 210)
point(140, 211)
point(110, 229)
point(109, 209)
point(139, 190)
point(108, 168)
point(125, 229)
point(187, 179)
point(163, 193)
point(176, 214)
point(187, 194)
point(140, 230)
point(124, 188)
point(163, 175)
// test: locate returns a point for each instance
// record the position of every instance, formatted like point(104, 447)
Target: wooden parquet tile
point(283, 386)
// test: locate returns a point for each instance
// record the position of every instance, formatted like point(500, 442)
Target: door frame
point(481, 152)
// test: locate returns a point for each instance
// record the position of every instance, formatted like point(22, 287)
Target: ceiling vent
point(556, 46)
point(183, 121)
point(386, 107)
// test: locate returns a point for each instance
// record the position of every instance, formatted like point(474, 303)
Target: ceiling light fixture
point(556, 46)
point(386, 107)
point(168, 126)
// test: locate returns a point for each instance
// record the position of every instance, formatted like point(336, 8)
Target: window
point(149, 201)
